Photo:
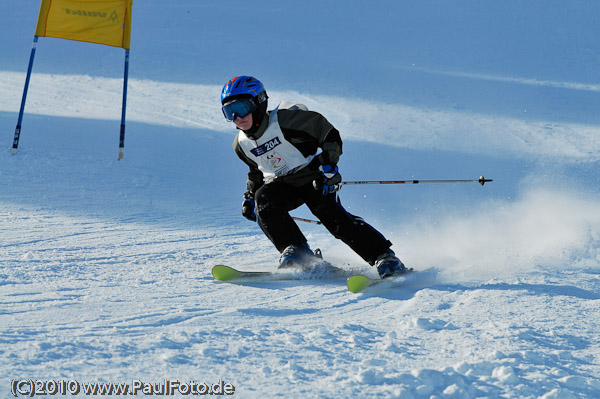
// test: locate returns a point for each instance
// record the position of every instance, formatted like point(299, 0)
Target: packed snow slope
point(105, 264)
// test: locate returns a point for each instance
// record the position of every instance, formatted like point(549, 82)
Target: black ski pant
point(275, 200)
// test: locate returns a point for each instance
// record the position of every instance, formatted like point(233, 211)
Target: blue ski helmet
point(246, 86)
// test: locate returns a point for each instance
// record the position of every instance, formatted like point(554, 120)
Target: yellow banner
point(97, 21)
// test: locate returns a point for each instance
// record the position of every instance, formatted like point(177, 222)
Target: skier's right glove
point(331, 180)
point(248, 207)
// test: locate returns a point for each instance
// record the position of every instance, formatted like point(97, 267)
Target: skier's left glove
point(331, 180)
point(248, 207)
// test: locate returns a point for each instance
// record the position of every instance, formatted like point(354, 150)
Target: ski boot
point(297, 255)
point(388, 264)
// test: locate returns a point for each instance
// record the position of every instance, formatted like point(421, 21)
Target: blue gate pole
point(122, 134)
point(15, 145)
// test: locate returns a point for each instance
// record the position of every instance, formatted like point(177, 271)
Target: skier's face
point(244, 123)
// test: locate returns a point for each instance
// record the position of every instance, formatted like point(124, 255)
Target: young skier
point(292, 154)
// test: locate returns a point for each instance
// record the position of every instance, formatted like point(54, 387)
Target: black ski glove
point(248, 207)
point(331, 179)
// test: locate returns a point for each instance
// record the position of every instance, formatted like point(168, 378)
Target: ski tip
point(358, 283)
point(224, 273)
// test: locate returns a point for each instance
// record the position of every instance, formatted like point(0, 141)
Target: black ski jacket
point(309, 132)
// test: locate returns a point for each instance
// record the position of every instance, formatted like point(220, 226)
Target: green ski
point(227, 273)
point(324, 270)
point(358, 283)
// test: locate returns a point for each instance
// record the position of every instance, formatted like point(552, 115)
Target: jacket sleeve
point(255, 177)
point(309, 131)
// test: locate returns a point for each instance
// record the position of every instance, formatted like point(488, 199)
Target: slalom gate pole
point(15, 145)
point(124, 108)
point(482, 180)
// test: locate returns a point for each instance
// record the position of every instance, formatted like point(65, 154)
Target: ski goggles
point(239, 108)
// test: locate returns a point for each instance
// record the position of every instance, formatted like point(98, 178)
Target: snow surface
point(105, 264)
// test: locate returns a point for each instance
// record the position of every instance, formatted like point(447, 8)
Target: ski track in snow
point(105, 264)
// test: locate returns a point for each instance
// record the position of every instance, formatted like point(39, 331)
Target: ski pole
point(481, 181)
point(306, 220)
